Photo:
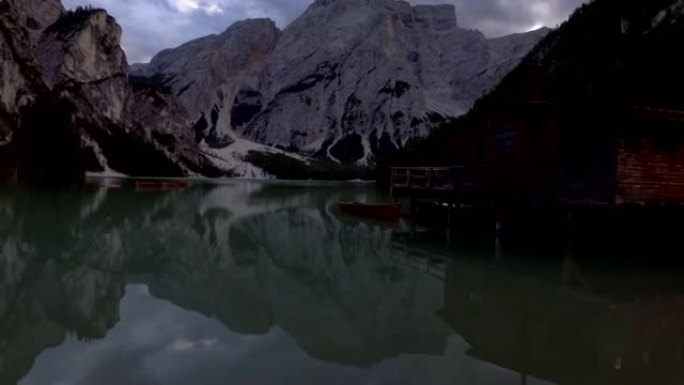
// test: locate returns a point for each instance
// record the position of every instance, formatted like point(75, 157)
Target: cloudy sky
point(152, 25)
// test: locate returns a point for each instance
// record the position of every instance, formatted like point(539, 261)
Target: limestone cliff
point(345, 81)
point(356, 78)
point(68, 108)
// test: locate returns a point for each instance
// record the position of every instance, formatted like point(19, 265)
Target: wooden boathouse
point(543, 172)
point(545, 154)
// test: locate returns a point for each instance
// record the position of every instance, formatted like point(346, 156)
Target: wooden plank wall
point(587, 163)
point(650, 169)
point(525, 155)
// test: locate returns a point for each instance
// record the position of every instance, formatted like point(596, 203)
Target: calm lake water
point(265, 283)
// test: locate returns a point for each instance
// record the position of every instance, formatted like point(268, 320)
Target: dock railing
point(426, 178)
point(469, 185)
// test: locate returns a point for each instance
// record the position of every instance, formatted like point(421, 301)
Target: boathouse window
point(632, 143)
point(624, 25)
point(536, 140)
point(480, 150)
point(506, 140)
point(665, 141)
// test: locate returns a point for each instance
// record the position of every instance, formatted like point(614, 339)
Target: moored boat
point(381, 211)
point(160, 185)
point(109, 185)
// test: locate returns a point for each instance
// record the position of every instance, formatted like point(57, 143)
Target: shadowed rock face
point(84, 62)
point(37, 15)
point(608, 53)
point(49, 144)
point(20, 81)
point(206, 74)
point(73, 59)
point(67, 107)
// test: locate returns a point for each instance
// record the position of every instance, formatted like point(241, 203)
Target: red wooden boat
point(109, 185)
point(160, 185)
point(381, 211)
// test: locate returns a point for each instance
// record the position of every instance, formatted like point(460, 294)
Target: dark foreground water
point(252, 283)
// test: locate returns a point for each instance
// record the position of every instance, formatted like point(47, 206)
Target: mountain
point(205, 74)
point(350, 79)
point(609, 53)
point(37, 15)
point(346, 80)
point(67, 106)
point(20, 77)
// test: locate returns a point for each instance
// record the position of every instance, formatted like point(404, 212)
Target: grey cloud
point(500, 17)
point(152, 25)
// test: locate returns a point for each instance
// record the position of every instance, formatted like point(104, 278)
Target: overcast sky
point(152, 25)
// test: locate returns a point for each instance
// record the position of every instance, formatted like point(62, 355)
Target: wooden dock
point(477, 213)
point(443, 184)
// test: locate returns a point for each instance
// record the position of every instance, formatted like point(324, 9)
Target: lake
point(267, 283)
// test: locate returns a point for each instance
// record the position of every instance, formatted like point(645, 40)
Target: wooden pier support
point(473, 217)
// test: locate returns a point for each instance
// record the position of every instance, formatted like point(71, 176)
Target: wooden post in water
point(450, 223)
point(412, 215)
point(569, 232)
point(449, 215)
point(498, 231)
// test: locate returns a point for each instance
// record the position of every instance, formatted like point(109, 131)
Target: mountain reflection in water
point(261, 283)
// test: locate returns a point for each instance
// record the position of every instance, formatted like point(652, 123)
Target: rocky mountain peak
point(206, 74)
point(347, 80)
point(424, 11)
point(92, 39)
point(67, 107)
point(252, 24)
point(351, 79)
point(370, 3)
point(83, 48)
point(438, 16)
point(36, 15)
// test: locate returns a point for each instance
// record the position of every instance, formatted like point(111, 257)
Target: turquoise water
point(266, 283)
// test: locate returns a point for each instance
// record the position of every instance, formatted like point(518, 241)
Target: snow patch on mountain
point(232, 157)
point(352, 79)
point(346, 81)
